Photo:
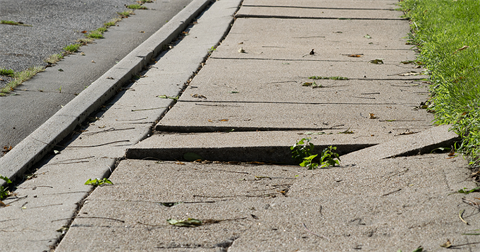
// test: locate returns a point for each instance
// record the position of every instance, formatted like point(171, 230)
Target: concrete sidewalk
point(241, 112)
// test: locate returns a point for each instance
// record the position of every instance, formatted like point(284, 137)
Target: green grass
point(447, 34)
point(71, 48)
point(95, 34)
point(9, 22)
point(7, 72)
point(19, 78)
point(137, 7)
point(125, 14)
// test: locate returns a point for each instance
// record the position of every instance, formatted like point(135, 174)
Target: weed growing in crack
point(136, 7)
point(302, 152)
point(98, 182)
point(71, 48)
point(3, 190)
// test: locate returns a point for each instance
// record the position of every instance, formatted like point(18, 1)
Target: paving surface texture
point(241, 112)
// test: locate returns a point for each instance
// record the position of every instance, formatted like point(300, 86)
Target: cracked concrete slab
point(251, 204)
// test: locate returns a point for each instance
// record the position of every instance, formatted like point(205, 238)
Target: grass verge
point(447, 34)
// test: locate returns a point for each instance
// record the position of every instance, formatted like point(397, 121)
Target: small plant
point(312, 84)
point(54, 58)
point(125, 14)
point(329, 157)
point(302, 153)
point(96, 34)
point(9, 22)
point(98, 182)
point(3, 190)
point(71, 48)
point(302, 149)
point(7, 72)
point(20, 77)
point(211, 50)
point(137, 7)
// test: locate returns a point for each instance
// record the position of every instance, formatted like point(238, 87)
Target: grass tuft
point(96, 34)
point(447, 34)
point(54, 58)
point(136, 7)
point(125, 14)
point(7, 72)
point(19, 78)
point(71, 48)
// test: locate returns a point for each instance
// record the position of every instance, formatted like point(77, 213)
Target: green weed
point(71, 48)
point(9, 22)
point(125, 14)
point(98, 182)
point(96, 34)
point(19, 78)
point(7, 72)
point(302, 152)
point(137, 7)
point(4, 190)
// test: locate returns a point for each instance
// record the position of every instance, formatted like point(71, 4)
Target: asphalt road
point(55, 24)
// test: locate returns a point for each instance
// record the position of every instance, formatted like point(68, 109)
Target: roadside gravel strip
point(42, 140)
point(51, 26)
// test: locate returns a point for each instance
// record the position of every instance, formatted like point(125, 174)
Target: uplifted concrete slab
point(261, 208)
point(411, 144)
point(261, 146)
point(315, 13)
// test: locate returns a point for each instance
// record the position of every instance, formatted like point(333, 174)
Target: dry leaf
point(84, 31)
point(199, 96)
point(223, 120)
point(372, 116)
point(180, 163)
point(460, 49)
point(355, 55)
point(3, 204)
point(7, 149)
point(447, 244)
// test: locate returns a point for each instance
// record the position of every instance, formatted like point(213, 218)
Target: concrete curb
point(33, 148)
